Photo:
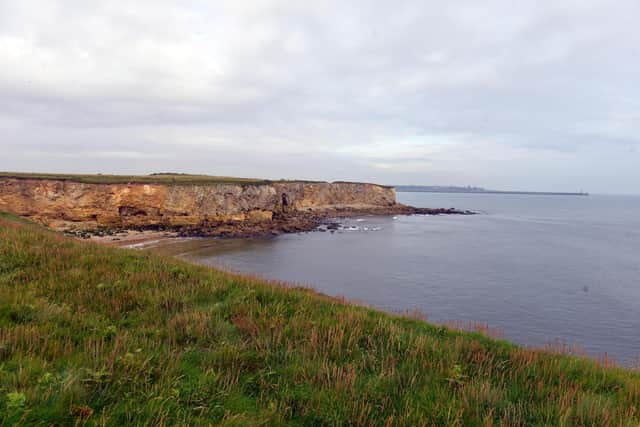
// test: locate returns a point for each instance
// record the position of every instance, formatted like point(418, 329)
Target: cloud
point(424, 91)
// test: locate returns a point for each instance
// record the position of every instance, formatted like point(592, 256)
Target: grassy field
point(155, 178)
point(160, 178)
point(92, 335)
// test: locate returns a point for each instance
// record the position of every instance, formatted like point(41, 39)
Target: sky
point(530, 95)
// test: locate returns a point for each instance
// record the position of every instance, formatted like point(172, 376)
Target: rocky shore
point(298, 221)
point(282, 222)
point(118, 208)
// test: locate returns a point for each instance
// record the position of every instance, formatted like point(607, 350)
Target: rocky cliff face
point(63, 203)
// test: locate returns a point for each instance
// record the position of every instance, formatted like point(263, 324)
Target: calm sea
point(539, 268)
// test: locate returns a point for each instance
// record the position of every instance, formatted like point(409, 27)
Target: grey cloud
point(357, 90)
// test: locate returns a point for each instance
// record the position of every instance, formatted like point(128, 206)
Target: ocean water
point(541, 269)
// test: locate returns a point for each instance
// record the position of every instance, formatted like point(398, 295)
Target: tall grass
point(91, 335)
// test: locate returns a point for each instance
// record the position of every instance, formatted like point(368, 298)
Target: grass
point(156, 178)
point(92, 335)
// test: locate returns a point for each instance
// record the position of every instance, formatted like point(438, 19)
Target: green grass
point(92, 335)
point(159, 178)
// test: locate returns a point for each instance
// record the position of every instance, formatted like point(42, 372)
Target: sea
point(538, 270)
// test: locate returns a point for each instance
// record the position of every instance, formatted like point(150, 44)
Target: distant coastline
point(477, 190)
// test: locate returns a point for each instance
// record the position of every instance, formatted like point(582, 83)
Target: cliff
point(65, 203)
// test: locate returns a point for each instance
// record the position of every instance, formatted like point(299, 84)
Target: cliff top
point(155, 178)
point(166, 178)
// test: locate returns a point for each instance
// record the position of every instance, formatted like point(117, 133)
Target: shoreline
point(282, 223)
point(145, 240)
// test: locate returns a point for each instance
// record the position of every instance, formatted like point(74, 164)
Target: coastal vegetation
point(166, 178)
point(96, 335)
point(156, 178)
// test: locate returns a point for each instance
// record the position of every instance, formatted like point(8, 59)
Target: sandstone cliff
point(66, 203)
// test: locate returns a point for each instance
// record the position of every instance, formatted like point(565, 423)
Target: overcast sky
point(544, 95)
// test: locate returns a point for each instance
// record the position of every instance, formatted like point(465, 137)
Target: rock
point(212, 210)
point(157, 205)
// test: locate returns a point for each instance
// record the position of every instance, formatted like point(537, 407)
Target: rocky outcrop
point(69, 204)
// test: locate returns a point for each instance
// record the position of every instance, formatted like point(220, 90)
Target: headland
point(193, 205)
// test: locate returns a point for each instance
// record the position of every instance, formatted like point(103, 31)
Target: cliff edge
point(63, 203)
